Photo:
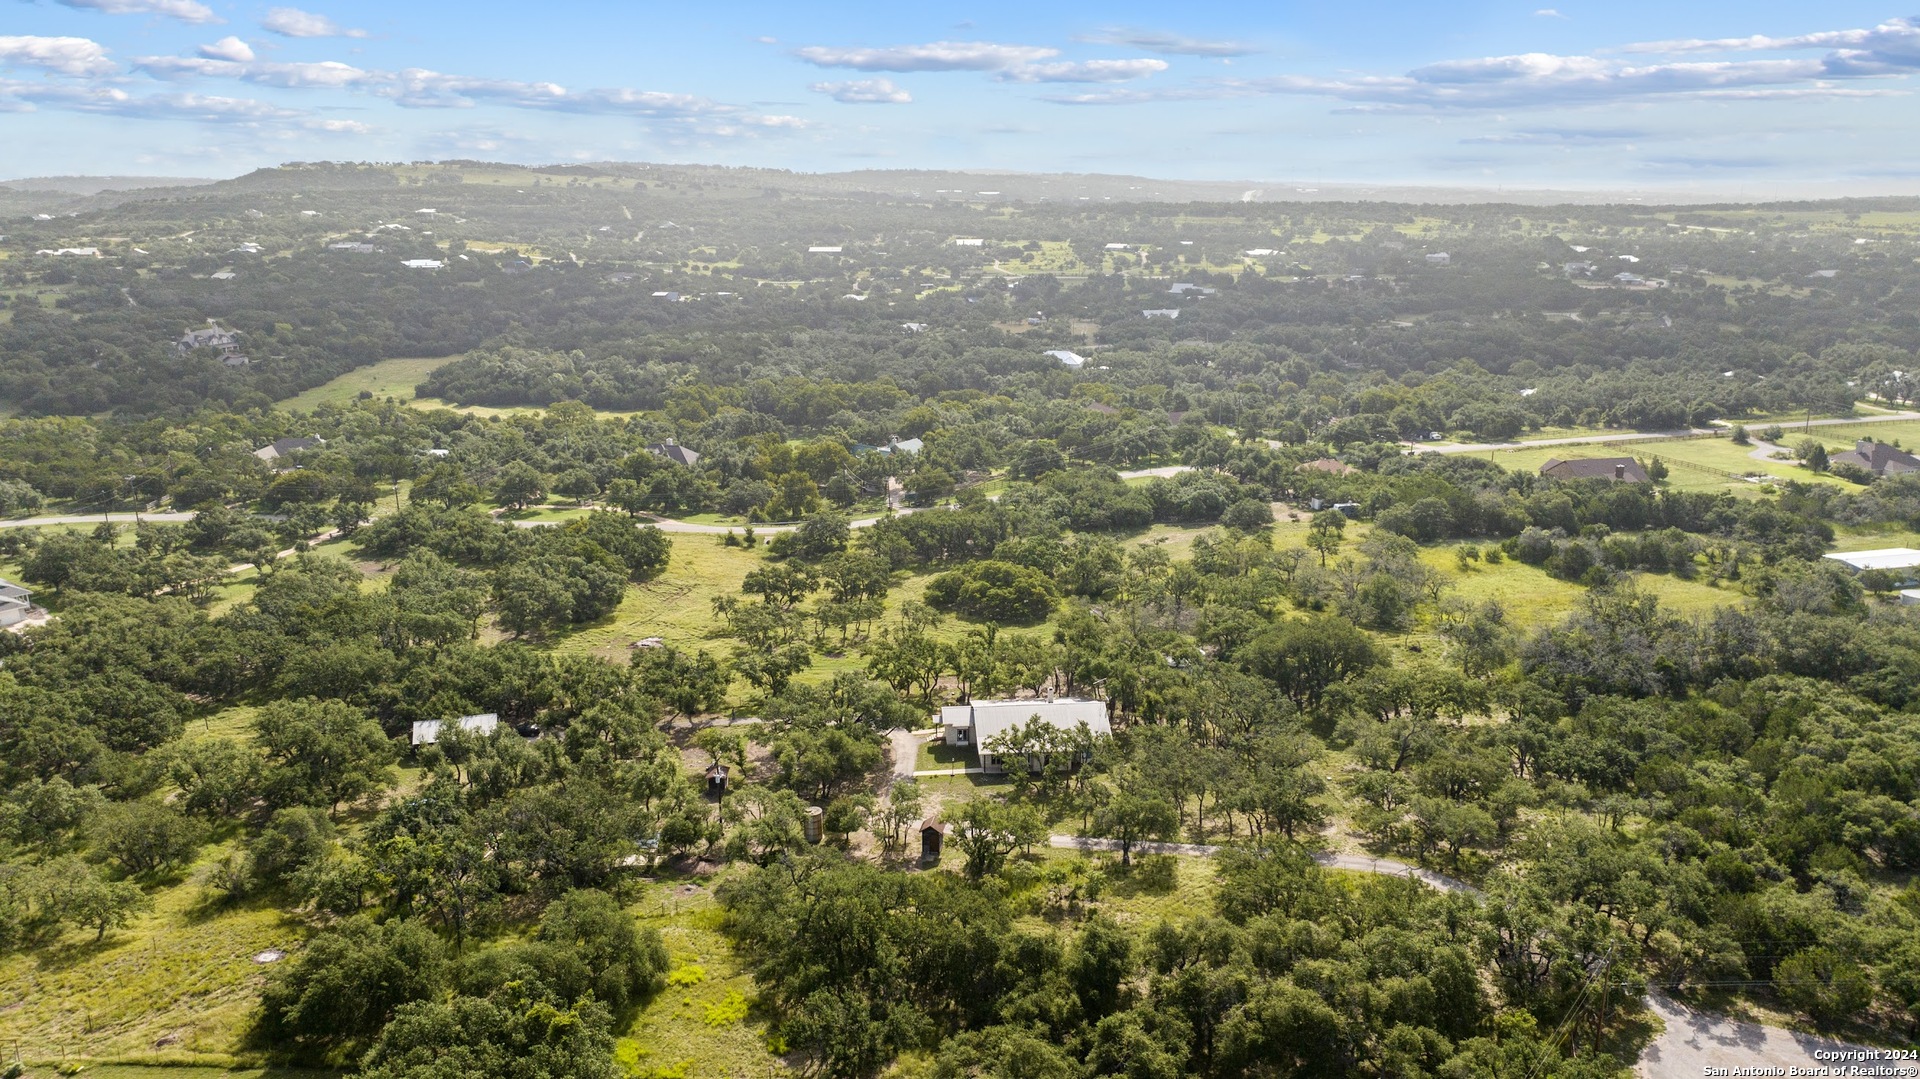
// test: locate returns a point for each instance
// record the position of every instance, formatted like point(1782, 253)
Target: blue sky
point(1754, 97)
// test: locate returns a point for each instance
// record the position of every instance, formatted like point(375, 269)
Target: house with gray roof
point(1878, 458)
point(287, 447)
point(675, 452)
point(1614, 469)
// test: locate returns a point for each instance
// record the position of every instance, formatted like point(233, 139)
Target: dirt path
point(906, 751)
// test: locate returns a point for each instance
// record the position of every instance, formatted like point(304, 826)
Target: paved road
point(1641, 436)
point(1577, 440)
point(1699, 1043)
point(96, 518)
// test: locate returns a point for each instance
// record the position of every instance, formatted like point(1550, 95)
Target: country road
point(97, 518)
point(1644, 436)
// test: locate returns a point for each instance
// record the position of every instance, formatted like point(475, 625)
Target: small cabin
point(716, 780)
point(933, 835)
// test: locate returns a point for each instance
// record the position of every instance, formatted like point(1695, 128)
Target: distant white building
point(1162, 312)
point(427, 731)
point(423, 264)
point(71, 252)
point(1260, 252)
point(1901, 561)
point(970, 241)
point(1439, 258)
point(1119, 247)
point(1069, 359)
point(824, 250)
point(979, 723)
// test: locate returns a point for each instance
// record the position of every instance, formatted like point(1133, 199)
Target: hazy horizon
point(1707, 100)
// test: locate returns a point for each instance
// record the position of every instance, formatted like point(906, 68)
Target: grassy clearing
point(178, 985)
point(677, 606)
point(388, 378)
point(704, 1024)
point(1708, 453)
point(1534, 598)
point(1131, 902)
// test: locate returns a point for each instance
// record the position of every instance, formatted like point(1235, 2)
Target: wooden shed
point(933, 834)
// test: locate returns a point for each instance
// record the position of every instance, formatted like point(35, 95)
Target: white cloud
point(864, 92)
point(184, 10)
point(114, 101)
point(292, 22)
point(1548, 13)
point(338, 127)
point(76, 56)
point(228, 48)
point(936, 56)
point(420, 88)
point(1168, 44)
point(1085, 71)
point(1891, 48)
point(323, 74)
point(1536, 80)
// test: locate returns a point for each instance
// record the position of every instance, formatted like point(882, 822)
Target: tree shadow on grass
point(64, 954)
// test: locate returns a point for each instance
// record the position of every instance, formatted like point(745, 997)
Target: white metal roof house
point(427, 731)
point(1070, 359)
point(980, 722)
point(1895, 559)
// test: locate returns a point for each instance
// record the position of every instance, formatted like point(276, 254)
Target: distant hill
point(93, 185)
point(79, 194)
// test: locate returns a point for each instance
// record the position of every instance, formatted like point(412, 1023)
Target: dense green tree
point(321, 753)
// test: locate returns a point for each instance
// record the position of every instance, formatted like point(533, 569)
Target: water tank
point(815, 815)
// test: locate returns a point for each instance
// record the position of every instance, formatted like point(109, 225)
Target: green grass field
point(677, 606)
point(177, 985)
point(1715, 454)
point(703, 1025)
point(1534, 598)
point(388, 378)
